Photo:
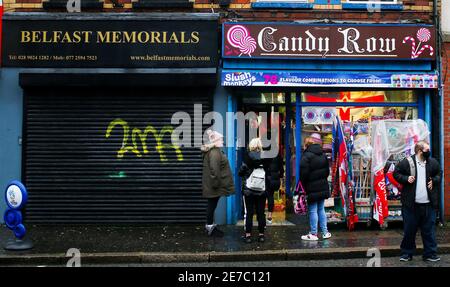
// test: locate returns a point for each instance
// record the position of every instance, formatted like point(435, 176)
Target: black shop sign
point(109, 42)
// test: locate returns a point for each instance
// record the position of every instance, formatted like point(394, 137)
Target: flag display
point(352, 216)
point(380, 209)
point(342, 170)
point(334, 156)
point(379, 156)
point(340, 148)
point(387, 138)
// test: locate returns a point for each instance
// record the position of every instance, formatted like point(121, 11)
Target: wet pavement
point(192, 239)
point(356, 262)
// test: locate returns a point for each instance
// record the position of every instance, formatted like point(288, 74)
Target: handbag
point(301, 206)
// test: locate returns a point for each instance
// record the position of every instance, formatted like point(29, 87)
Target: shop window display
point(357, 124)
point(357, 119)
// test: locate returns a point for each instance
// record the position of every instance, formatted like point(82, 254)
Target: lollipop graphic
point(248, 45)
point(238, 37)
point(423, 35)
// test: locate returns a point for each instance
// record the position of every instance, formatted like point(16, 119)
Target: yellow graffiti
point(160, 146)
point(126, 130)
point(137, 134)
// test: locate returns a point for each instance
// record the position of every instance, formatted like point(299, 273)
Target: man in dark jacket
point(420, 177)
point(314, 172)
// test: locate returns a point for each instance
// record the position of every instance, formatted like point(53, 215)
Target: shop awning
point(347, 79)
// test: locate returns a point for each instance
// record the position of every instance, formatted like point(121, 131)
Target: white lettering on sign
point(263, 42)
point(310, 42)
point(239, 79)
point(351, 35)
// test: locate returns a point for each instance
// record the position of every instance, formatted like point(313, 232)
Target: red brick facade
point(446, 140)
point(413, 10)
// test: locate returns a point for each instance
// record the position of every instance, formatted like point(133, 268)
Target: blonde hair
point(255, 145)
point(309, 141)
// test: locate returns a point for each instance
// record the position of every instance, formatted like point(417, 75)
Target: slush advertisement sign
point(327, 79)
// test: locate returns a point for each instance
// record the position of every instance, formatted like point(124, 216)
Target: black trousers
point(423, 216)
point(255, 204)
point(270, 200)
point(212, 204)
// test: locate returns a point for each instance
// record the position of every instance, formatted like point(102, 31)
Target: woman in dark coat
point(314, 172)
point(217, 178)
point(254, 200)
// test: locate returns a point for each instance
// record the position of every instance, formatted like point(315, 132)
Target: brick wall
point(412, 10)
point(446, 75)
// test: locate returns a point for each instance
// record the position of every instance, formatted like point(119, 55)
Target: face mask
point(426, 154)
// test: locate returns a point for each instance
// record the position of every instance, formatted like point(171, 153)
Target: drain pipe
point(437, 23)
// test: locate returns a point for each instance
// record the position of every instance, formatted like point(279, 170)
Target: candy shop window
point(266, 98)
point(358, 123)
point(400, 96)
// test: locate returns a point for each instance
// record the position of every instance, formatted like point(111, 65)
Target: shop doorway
point(284, 124)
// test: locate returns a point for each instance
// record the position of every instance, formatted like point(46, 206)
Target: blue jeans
point(317, 215)
point(423, 217)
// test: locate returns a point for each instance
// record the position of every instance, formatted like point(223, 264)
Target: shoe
point(261, 238)
point(433, 258)
point(326, 235)
point(406, 258)
point(247, 239)
point(269, 221)
point(216, 232)
point(310, 237)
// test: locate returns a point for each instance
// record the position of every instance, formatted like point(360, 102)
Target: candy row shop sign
point(328, 41)
point(327, 79)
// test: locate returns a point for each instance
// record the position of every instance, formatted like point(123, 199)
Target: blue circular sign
point(16, 195)
point(12, 218)
point(19, 231)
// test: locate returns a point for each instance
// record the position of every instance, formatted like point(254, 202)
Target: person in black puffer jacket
point(254, 200)
point(314, 172)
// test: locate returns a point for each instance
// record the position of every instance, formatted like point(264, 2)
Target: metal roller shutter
point(74, 170)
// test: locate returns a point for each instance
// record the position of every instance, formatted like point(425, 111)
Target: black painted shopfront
point(97, 114)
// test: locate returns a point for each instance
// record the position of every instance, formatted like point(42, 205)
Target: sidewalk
point(188, 243)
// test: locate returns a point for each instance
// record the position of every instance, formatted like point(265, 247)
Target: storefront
point(99, 92)
point(315, 75)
